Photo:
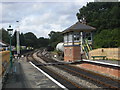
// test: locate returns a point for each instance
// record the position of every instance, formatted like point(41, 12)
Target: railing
point(86, 48)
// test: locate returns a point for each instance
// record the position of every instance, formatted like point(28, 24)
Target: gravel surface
point(77, 80)
point(37, 58)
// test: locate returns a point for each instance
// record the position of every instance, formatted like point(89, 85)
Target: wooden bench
point(98, 57)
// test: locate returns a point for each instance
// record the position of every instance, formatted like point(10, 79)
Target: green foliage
point(14, 41)
point(43, 42)
point(22, 40)
point(30, 39)
point(4, 35)
point(107, 38)
point(105, 17)
point(101, 15)
point(55, 38)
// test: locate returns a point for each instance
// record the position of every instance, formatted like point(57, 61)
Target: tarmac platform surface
point(24, 75)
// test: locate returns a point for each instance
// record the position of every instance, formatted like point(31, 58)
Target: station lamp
point(10, 31)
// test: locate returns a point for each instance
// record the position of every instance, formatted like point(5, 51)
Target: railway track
point(91, 77)
point(63, 80)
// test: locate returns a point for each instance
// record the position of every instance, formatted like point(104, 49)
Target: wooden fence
point(110, 53)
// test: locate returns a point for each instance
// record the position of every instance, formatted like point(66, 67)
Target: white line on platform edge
point(59, 84)
point(102, 62)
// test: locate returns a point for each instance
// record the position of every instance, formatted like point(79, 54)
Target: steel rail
point(55, 73)
point(85, 76)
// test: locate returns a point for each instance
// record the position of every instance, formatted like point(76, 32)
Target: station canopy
point(78, 27)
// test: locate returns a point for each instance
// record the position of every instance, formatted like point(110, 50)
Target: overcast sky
point(40, 17)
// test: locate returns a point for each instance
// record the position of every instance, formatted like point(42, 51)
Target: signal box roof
point(79, 27)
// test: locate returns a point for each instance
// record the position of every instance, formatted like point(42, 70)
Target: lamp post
point(18, 41)
point(10, 35)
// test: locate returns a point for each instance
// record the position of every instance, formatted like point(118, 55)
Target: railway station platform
point(117, 62)
point(112, 62)
point(25, 75)
point(15, 77)
point(105, 67)
point(109, 68)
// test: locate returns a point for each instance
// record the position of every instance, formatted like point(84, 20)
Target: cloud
point(46, 0)
point(42, 17)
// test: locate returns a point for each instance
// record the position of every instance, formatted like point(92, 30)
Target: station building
point(74, 41)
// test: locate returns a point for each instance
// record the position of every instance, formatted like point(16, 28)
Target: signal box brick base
point(72, 53)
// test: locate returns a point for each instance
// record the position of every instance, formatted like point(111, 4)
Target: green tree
point(14, 40)
point(22, 39)
point(43, 42)
point(105, 17)
point(4, 35)
point(55, 38)
point(107, 38)
point(31, 40)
